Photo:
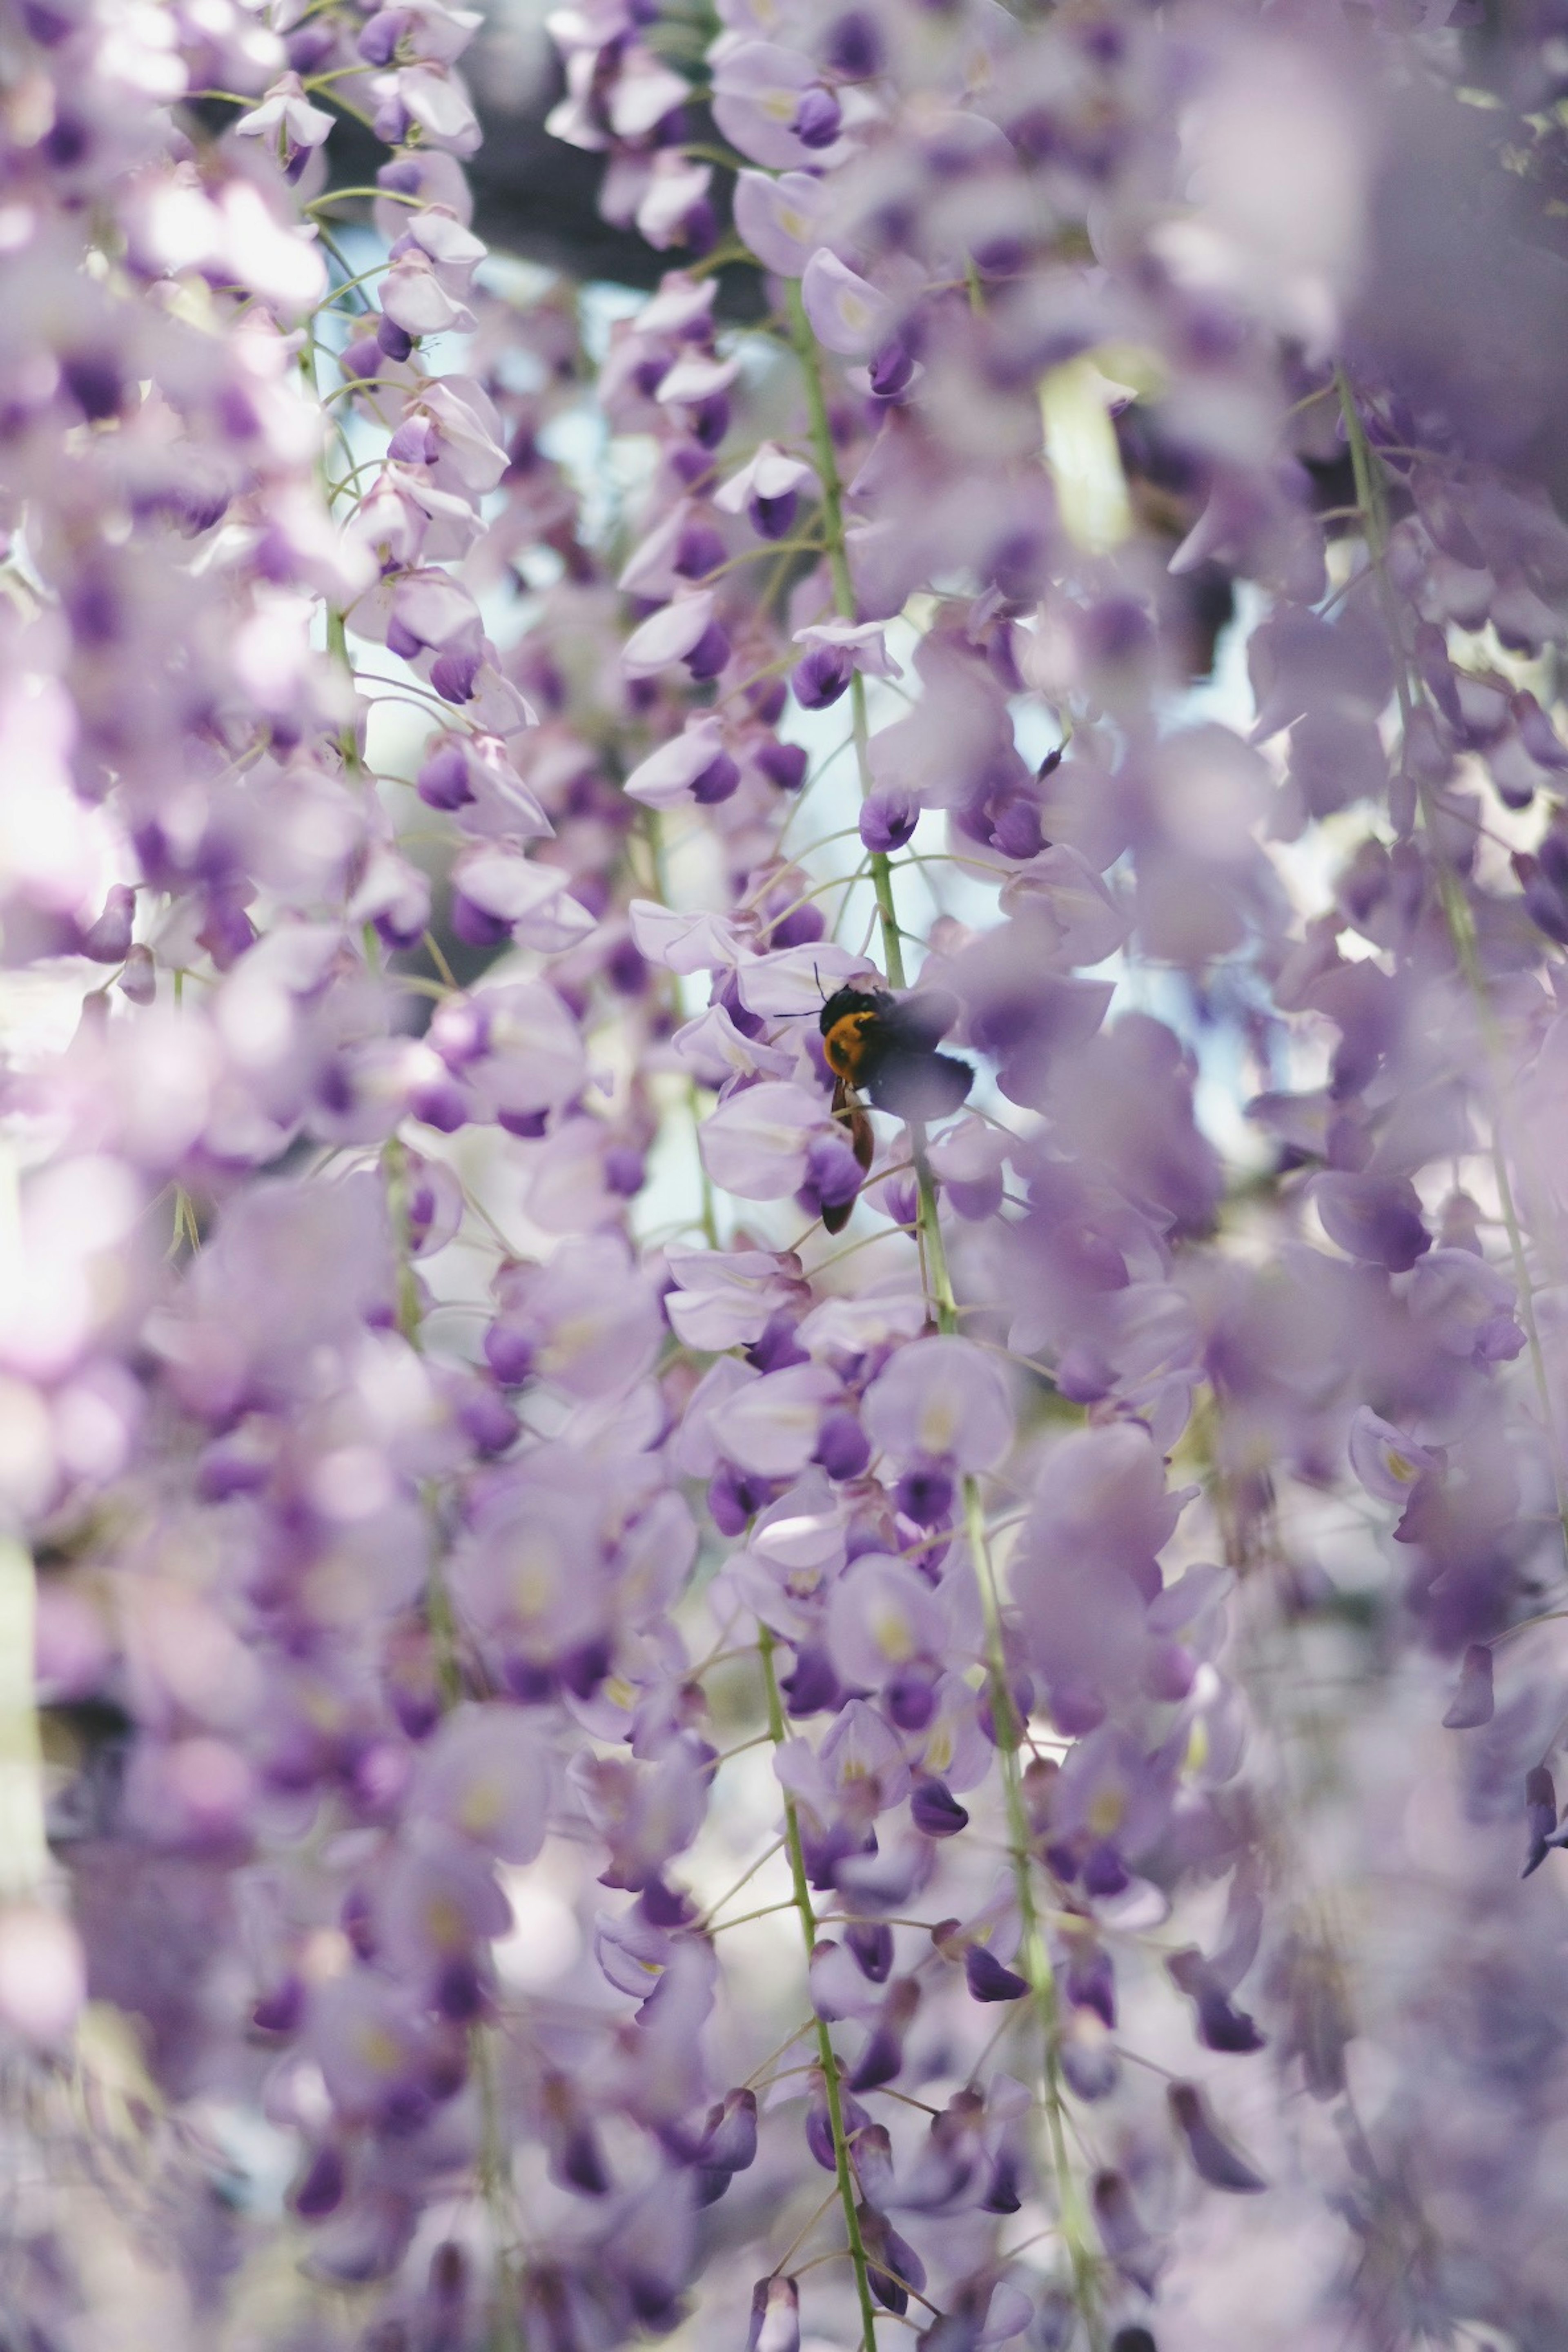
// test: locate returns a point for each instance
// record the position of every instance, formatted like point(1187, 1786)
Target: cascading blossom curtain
point(783, 1336)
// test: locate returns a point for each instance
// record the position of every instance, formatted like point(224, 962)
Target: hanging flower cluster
point(784, 1358)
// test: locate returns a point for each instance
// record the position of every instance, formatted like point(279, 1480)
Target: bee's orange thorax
point(845, 1044)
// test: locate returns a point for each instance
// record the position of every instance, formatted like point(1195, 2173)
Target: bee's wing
point(925, 1018)
point(915, 1083)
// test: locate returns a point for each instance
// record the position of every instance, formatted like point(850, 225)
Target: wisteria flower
point(569, 1686)
point(771, 104)
point(781, 218)
point(767, 491)
point(772, 1426)
point(726, 1298)
point(288, 120)
point(585, 1320)
point(941, 1400)
point(757, 1142)
point(487, 1774)
point(686, 630)
point(1387, 1463)
point(694, 766)
point(847, 314)
point(835, 651)
point(884, 1622)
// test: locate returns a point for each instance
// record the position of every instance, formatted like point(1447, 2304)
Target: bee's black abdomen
point(913, 1082)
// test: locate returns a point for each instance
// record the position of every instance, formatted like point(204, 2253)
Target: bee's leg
point(850, 1112)
point(862, 1142)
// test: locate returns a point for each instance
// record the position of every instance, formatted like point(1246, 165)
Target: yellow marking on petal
point(534, 1581)
point(449, 1929)
point(1105, 1814)
point(480, 1809)
point(891, 1632)
point(938, 1421)
point(571, 1337)
point(378, 2049)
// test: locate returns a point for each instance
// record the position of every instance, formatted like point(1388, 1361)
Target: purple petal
point(988, 1980)
point(936, 1813)
point(1472, 1702)
point(1213, 2157)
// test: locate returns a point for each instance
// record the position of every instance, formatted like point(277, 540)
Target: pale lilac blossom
point(634, 1644)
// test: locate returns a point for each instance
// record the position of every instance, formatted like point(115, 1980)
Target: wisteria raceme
point(783, 1360)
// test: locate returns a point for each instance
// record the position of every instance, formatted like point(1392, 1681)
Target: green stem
point(1037, 1958)
point(832, 482)
point(494, 2155)
point(653, 829)
point(1034, 1952)
point(1375, 519)
point(326, 239)
point(929, 1229)
point(394, 1172)
point(765, 553)
point(496, 2184)
point(842, 2166)
point(337, 628)
point(764, 1911)
point(709, 1212)
point(349, 286)
point(378, 195)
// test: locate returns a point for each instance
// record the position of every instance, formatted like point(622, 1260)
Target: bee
point(884, 1047)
